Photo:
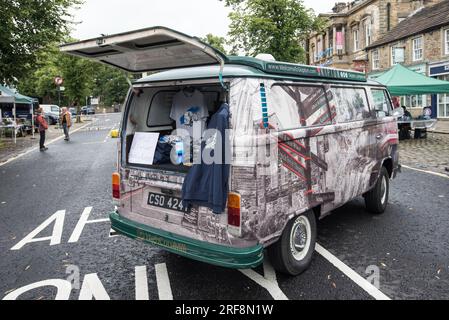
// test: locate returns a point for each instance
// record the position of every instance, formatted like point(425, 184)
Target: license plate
point(167, 202)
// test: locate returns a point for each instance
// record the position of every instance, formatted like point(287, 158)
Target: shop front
point(440, 102)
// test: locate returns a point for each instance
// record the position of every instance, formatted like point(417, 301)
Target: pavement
point(61, 199)
point(9, 149)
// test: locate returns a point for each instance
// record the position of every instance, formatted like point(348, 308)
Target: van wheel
point(376, 200)
point(292, 253)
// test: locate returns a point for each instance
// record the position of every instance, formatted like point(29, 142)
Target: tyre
point(376, 200)
point(292, 253)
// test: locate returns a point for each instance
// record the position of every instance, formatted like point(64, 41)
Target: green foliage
point(28, 26)
point(277, 27)
point(215, 41)
point(82, 78)
point(110, 85)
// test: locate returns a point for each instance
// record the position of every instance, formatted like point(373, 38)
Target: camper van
point(289, 144)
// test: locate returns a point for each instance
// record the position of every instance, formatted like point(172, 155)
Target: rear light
point(234, 216)
point(116, 185)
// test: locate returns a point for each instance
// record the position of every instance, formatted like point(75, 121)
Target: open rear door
point(152, 49)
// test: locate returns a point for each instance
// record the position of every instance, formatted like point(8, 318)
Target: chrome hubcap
point(383, 190)
point(300, 238)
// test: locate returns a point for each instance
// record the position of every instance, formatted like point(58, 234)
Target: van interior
point(157, 110)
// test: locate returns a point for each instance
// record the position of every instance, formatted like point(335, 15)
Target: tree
point(110, 85)
point(26, 27)
point(215, 41)
point(278, 27)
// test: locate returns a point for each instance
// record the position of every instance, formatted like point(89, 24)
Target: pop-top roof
point(297, 70)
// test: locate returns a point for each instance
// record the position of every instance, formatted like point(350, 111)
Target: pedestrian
point(43, 126)
point(66, 122)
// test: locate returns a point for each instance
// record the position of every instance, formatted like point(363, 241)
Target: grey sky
point(195, 17)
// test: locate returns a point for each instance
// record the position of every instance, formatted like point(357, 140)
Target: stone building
point(356, 25)
point(420, 43)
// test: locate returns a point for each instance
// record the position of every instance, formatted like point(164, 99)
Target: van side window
point(295, 106)
point(382, 104)
point(351, 104)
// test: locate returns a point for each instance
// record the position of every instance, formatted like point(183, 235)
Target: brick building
point(356, 25)
point(420, 43)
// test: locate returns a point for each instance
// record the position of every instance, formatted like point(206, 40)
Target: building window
point(397, 55)
point(417, 49)
point(355, 34)
point(446, 41)
point(367, 32)
point(376, 60)
point(312, 53)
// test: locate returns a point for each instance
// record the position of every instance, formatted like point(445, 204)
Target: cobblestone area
point(427, 154)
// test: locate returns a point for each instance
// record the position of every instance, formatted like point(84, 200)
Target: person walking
point(43, 126)
point(66, 122)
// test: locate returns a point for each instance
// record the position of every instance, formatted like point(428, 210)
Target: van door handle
point(379, 136)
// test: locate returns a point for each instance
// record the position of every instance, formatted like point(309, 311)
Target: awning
point(9, 96)
point(401, 81)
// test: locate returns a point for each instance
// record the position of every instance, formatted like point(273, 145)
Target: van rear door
point(145, 50)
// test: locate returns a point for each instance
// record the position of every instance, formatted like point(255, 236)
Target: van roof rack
point(299, 70)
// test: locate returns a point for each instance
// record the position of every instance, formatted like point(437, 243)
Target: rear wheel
point(376, 200)
point(292, 253)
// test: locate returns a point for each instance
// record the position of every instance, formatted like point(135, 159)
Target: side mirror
point(398, 113)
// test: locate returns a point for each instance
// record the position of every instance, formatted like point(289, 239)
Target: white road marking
point(268, 282)
point(93, 288)
point(429, 172)
point(37, 148)
point(113, 233)
point(163, 282)
point(82, 222)
point(141, 283)
point(351, 274)
point(55, 237)
point(64, 288)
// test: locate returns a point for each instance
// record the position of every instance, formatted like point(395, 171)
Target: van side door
point(351, 155)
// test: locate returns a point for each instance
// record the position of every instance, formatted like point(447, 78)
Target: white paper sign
point(143, 148)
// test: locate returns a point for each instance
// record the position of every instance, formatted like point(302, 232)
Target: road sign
point(58, 81)
point(95, 101)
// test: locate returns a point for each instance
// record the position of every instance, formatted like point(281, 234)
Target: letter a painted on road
point(55, 237)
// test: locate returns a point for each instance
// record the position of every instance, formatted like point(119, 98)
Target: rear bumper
point(223, 256)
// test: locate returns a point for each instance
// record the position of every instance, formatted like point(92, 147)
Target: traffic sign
point(58, 81)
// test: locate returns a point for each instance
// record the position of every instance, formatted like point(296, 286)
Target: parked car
point(73, 112)
point(51, 118)
point(52, 111)
point(87, 110)
point(305, 141)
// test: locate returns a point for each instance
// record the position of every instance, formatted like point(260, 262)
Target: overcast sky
point(195, 17)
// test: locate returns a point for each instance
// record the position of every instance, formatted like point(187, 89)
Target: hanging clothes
point(189, 108)
point(208, 184)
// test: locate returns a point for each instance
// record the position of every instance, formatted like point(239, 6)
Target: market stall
point(9, 101)
point(401, 81)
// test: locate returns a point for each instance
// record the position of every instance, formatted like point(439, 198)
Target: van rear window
point(351, 104)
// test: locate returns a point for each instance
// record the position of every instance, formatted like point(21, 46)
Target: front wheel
point(376, 200)
point(292, 253)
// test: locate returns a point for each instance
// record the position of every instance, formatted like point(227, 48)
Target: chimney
point(339, 7)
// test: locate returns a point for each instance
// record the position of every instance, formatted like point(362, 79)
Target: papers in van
point(143, 148)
